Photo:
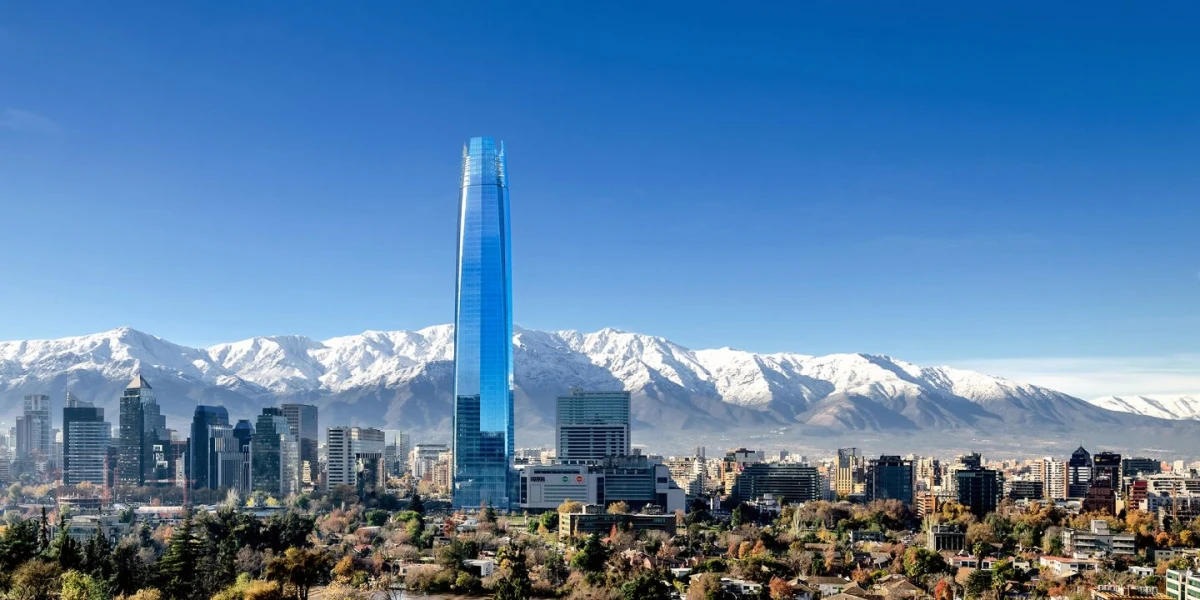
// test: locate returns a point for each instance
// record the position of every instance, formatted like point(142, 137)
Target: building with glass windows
point(353, 457)
point(483, 353)
point(138, 433)
point(35, 435)
point(85, 442)
point(890, 478)
point(592, 425)
point(302, 418)
point(200, 466)
point(274, 456)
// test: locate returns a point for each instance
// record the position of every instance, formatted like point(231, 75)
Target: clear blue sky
point(948, 183)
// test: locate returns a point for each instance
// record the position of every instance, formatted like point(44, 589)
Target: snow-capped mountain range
point(402, 379)
point(1169, 406)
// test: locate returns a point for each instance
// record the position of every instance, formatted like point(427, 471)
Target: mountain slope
point(403, 379)
point(1160, 406)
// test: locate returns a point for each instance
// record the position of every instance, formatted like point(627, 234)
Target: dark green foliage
point(514, 583)
point(176, 572)
point(19, 543)
point(591, 558)
point(376, 517)
point(978, 582)
point(647, 586)
point(129, 572)
point(64, 549)
point(417, 505)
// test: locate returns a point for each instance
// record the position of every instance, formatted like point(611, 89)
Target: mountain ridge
point(402, 379)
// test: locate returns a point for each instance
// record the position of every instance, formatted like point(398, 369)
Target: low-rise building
point(1098, 541)
point(594, 519)
point(82, 528)
point(946, 537)
point(635, 480)
point(1127, 592)
point(1062, 566)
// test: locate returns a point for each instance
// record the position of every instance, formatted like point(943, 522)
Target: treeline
point(197, 559)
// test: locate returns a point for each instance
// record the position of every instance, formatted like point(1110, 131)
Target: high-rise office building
point(302, 418)
point(138, 433)
point(1053, 475)
point(1107, 465)
point(1138, 465)
point(35, 437)
point(395, 455)
point(786, 482)
point(483, 351)
point(200, 467)
point(979, 490)
point(274, 455)
point(849, 472)
point(1079, 473)
point(86, 436)
point(354, 455)
point(243, 432)
point(592, 425)
point(890, 478)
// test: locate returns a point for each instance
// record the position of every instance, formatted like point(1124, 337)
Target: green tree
point(417, 505)
point(298, 570)
point(978, 582)
point(514, 583)
point(18, 544)
point(646, 586)
point(592, 556)
point(129, 572)
point(705, 587)
point(98, 557)
point(376, 517)
point(920, 563)
point(81, 586)
point(64, 549)
point(35, 580)
point(177, 570)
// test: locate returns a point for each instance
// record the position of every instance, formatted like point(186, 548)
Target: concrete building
point(34, 434)
point(849, 472)
point(423, 457)
point(1098, 541)
point(595, 519)
point(945, 538)
point(354, 455)
point(1182, 584)
point(1053, 475)
point(635, 480)
point(590, 426)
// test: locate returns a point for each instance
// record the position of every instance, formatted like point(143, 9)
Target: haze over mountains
point(402, 380)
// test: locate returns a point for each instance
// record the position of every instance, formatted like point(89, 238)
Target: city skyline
point(969, 217)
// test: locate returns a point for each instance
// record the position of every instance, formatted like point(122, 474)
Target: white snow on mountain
point(1172, 406)
point(403, 378)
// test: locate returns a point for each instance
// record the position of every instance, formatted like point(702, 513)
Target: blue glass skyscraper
point(483, 352)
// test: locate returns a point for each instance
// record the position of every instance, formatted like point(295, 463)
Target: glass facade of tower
point(483, 353)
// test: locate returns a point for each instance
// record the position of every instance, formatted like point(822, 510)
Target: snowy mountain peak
point(404, 379)
point(1163, 406)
